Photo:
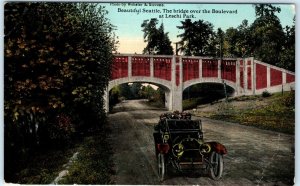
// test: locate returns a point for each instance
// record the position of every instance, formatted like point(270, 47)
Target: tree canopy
point(157, 40)
point(195, 38)
point(57, 60)
point(264, 39)
point(267, 34)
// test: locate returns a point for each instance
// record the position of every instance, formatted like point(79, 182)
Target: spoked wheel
point(161, 166)
point(216, 166)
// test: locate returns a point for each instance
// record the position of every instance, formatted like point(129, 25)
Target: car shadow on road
point(173, 173)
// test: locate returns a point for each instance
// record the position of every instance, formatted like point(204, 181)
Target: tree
point(158, 41)
point(195, 38)
point(244, 40)
point(57, 59)
point(135, 89)
point(53, 55)
point(220, 39)
point(212, 48)
point(266, 10)
point(187, 38)
point(267, 34)
point(150, 35)
point(231, 39)
point(163, 43)
point(287, 56)
point(125, 91)
point(114, 96)
point(147, 92)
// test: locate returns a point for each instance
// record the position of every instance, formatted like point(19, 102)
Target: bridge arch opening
point(205, 93)
point(157, 94)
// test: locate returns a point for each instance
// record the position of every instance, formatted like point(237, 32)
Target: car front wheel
point(161, 166)
point(216, 166)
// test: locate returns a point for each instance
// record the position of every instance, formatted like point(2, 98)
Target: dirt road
point(255, 157)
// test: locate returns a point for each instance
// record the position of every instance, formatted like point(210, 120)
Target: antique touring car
point(179, 142)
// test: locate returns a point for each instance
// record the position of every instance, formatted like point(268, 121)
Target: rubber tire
point(161, 166)
point(216, 169)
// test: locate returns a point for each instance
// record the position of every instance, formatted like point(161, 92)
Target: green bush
point(289, 99)
point(57, 56)
point(266, 94)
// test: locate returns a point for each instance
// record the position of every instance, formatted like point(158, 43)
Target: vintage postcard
point(149, 93)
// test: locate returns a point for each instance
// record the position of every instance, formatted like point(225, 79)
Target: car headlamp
point(166, 137)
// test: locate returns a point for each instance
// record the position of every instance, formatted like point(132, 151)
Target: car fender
point(218, 147)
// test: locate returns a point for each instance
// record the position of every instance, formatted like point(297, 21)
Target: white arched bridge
point(176, 73)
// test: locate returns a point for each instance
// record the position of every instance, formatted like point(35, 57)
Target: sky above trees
point(128, 20)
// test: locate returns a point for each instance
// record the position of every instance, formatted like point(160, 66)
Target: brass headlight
point(166, 137)
point(205, 148)
point(178, 150)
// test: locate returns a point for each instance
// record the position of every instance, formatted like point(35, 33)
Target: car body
point(179, 142)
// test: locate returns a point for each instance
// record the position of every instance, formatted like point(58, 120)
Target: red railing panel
point(119, 67)
point(249, 78)
point(276, 77)
point(242, 73)
point(261, 76)
point(190, 69)
point(140, 66)
point(228, 70)
point(162, 68)
point(290, 78)
point(209, 68)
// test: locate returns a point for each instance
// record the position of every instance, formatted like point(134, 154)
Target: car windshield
point(174, 124)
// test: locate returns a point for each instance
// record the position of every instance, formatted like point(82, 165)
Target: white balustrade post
point(200, 68)
point(253, 76)
point(245, 75)
point(237, 76)
point(176, 94)
point(219, 69)
point(285, 88)
point(129, 66)
point(151, 67)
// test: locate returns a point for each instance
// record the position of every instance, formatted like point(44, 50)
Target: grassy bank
point(94, 164)
point(43, 166)
point(275, 112)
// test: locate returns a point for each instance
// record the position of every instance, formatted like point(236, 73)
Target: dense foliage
point(155, 95)
point(267, 34)
point(264, 39)
point(195, 40)
point(158, 41)
point(57, 66)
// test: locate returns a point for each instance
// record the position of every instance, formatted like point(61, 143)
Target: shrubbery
point(57, 60)
point(266, 94)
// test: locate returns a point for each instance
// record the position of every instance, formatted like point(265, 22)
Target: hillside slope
point(273, 112)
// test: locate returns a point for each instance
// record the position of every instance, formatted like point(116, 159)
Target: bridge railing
point(160, 66)
point(248, 74)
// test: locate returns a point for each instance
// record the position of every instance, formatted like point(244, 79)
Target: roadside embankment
point(273, 112)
